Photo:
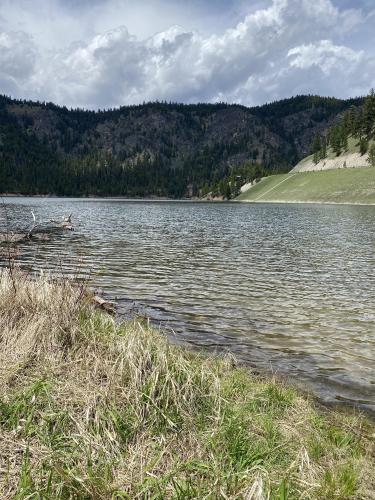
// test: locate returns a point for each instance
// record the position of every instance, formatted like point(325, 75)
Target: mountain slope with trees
point(349, 143)
point(155, 149)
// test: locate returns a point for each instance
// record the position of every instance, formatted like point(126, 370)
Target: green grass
point(355, 185)
point(91, 409)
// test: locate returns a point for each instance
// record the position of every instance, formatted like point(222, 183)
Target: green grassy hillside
point(330, 186)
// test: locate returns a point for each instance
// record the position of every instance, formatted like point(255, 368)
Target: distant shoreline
point(186, 200)
point(311, 202)
point(119, 198)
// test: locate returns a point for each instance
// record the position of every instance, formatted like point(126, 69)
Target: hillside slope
point(152, 149)
point(355, 186)
point(351, 158)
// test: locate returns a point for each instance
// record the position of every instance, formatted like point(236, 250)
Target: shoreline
point(187, 200)
point(307, 387)
point(107, 305)
point(310, 202)
point(146, 418)
point(115, 198)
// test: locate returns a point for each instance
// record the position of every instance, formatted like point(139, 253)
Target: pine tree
point(352, 119)
point(323, 153)
point(371, 156)
point(228, 191)
point(317, 145)
point(363, 146)
point(346, 122)
point(358, 127)
point(344, 139)
point(336, 139)
point(369, 115)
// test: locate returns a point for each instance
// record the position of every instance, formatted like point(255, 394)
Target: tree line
point(357, 123)
point(154, 149)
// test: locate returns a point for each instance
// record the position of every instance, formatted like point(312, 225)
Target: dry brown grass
point(91, 409)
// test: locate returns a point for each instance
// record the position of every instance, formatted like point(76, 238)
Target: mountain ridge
point(157, 149)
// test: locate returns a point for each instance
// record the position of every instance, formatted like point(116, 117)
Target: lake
point(288, 289)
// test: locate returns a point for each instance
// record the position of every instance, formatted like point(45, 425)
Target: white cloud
point(276, 50)
point(18, 57)
point(325, 56)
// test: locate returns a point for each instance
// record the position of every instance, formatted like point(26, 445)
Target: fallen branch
point(103, 304)
point(38, 230)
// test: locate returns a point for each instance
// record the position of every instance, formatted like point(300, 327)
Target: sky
point(107, 53)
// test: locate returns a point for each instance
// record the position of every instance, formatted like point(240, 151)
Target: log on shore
point(39, 231)
point(101, 303)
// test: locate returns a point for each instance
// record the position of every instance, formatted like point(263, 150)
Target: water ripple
point(285, 288)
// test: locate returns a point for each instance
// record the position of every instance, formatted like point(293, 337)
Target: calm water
point(286, 288)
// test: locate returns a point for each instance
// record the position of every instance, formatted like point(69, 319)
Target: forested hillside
point(355, 131)
point(155, 149)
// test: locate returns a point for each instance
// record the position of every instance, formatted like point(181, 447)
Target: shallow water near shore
point(286, 288)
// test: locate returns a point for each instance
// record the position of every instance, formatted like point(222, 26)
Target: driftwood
point(103, 304)
point(39, 231)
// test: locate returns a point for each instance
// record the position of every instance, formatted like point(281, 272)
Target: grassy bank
point(356, 185)
point(91, 409)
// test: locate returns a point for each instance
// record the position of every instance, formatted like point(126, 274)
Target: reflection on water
point(287, 288)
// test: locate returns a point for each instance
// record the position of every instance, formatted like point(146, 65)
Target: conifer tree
point(317, 145)
point(369, 115)
point(228, 191)
point(359, 124)
point(352, 119)
point(346, 123)
point(371, 155)
point(344, 139)
point(336, 139)
point(324, 148)
point(363, 146)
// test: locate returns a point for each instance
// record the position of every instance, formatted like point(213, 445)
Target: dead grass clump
point(93, 409)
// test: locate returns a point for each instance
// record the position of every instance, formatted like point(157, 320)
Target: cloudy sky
point(106, 53)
